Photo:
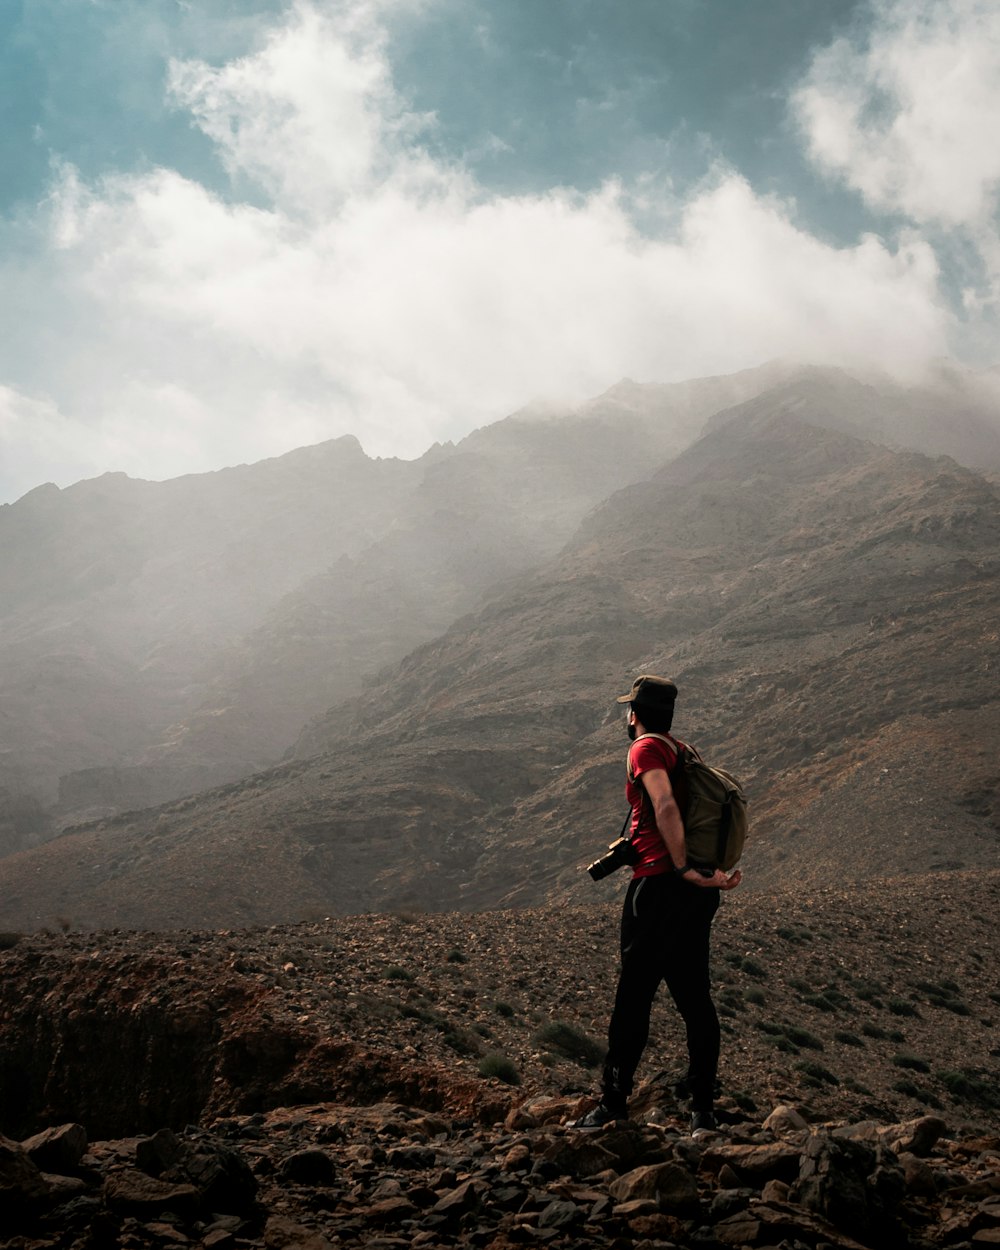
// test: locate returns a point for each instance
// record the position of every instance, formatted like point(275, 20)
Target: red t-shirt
point(646, 755)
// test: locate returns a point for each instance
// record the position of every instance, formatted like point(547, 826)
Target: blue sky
point(228, 229)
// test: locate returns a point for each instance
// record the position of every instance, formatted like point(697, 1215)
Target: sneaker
point(599, 1117)
point(703, 1122)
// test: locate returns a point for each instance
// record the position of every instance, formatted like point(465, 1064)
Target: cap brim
point(625, 698)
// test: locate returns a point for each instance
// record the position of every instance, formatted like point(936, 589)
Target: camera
point(620, 852)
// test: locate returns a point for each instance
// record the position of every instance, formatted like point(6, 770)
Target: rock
point(672, 1187)
point(219, 1173)
point(57, 1149)
point(281, 1233)
point(785, 1119)
point(986, 1237)
point(916, 1137)
point(220, 1239)
point(635, 1206)
point(132, 1192)
point(656, 1227)
point(919, 1178)
point(772, 1161)
point(308, 1167)
point(155, 1154)
point(775, 1191)
point(729, 1201)
point(517, 1159)
point(165, 1233)
point(390, 1211)
point(856, 1187)
point(543, 1110)
point(580, 1155)
point(766, 1225)
point(63, 1188)
point(465, 1198)
point(561, 1215)
point(411, 1157)
point(727, 1178)
point(21, 1181)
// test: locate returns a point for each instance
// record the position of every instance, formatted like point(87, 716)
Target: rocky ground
point(403, 1080)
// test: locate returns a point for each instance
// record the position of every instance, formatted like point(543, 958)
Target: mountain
point(828, 607)
point(159, 638)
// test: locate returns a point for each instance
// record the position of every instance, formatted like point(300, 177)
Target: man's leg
point(689, 983)
point(638, 981)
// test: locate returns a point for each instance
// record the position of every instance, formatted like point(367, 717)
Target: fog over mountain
point(455, 628)
point(162, 637)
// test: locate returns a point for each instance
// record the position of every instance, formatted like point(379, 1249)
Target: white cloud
point(909, 115)
point(40, 444)
point(381, 293)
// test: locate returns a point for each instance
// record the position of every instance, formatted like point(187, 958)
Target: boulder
point(854, 1186)
point(131, 1192)
point(579, 1155)
point(772, 1161)
point(22, 1184)
point(669, 1185)
point(308, 1167)
point(915, 1137)
point(57, 1149)
point(785, 1119)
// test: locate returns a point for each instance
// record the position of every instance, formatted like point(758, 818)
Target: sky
point(229, 228)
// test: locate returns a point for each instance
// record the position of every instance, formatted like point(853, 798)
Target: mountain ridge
point(479, 770)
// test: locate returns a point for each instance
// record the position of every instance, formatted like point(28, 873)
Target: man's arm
point(670, 827)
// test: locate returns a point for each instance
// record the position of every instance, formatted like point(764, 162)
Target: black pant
point(666, 924)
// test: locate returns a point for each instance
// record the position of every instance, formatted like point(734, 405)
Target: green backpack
point(713, 808)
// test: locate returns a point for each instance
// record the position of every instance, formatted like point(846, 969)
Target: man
point(666, 920)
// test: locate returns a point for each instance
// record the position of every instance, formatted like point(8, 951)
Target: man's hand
point(719, 880)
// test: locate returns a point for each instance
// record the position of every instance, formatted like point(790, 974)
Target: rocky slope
point(344, 1075)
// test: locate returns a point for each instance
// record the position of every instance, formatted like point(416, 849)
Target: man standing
point(666, 920)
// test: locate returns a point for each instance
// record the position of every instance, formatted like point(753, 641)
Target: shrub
point(570, 1042)
point(504, 1009)
point(499, 1066)
point(913, 1062)
point(9, 940)
point(816, 1074)
point(461, 1043)
point(869, 996)
point(802, 1037)
point(803, 987)
point(907, 1087)
point(895, 1035)
point(903, 1007)
point(456, 957)
point(766, 1026)
point(848, 1039)
point(819, 1001)
point(968, 1085)
point(755, 996)
point(395, 973)
point(753, 969)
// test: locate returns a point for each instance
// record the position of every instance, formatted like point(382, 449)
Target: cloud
point(908, 114)
point(351, 283)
